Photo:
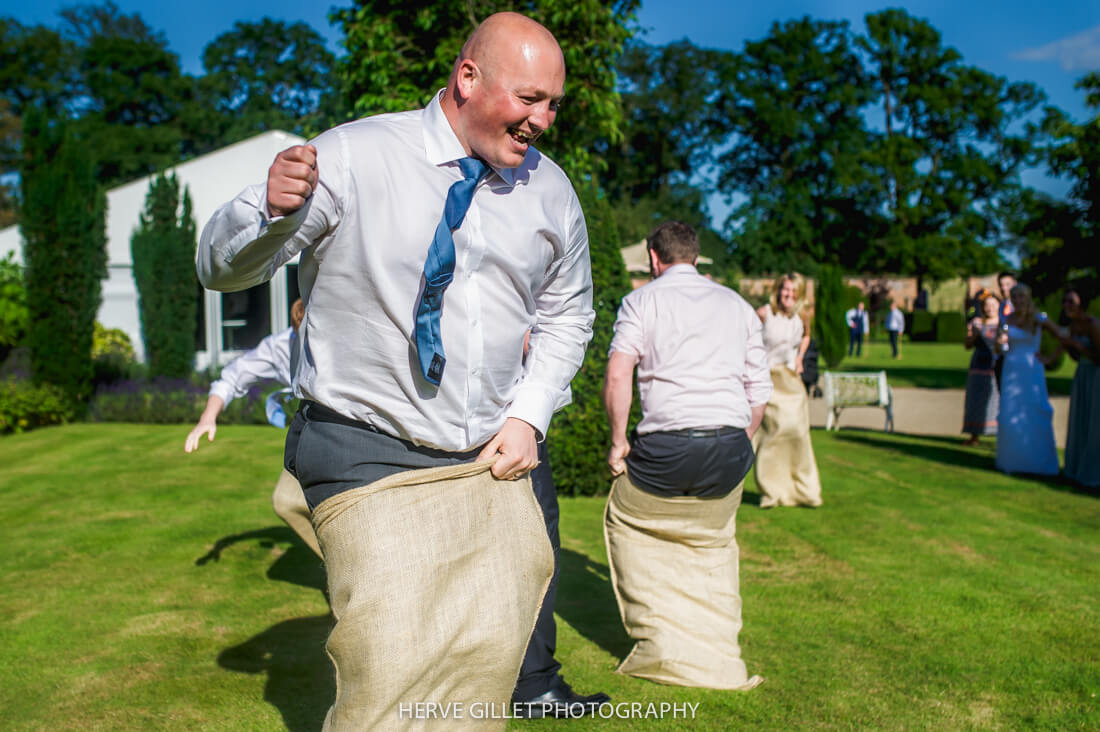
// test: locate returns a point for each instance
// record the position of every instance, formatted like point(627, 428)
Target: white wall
point(212, 180)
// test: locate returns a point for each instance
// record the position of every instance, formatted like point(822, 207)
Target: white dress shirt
point(855, 317)
point(269, 360)
point(701, 357)
point(521, 263)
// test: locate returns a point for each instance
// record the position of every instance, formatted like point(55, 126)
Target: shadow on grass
point(937, 449)
point(587, 602)
point(300, 681)
point(950, 451)
point(298, 565)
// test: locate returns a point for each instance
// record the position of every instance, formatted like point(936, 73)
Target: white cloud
point(1077, 52)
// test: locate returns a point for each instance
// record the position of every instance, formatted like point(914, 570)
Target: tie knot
point(472, 168)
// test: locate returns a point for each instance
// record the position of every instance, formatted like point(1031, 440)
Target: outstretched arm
point(207, 424)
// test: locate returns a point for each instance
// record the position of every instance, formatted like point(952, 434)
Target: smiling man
point(431, 242)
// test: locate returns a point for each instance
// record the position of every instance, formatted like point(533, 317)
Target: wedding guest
point(982, 402)
point(895, 326)
point(1081, 340)
point(786, 472)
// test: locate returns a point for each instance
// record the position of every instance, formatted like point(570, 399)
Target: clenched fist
point(291, 179)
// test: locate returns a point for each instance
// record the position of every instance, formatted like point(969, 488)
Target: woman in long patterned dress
point(1025, 426)
point(1081, 340)
point(980, 412)
point(786, 472)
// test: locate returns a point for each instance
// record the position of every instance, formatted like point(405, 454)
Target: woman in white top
point(786, 472)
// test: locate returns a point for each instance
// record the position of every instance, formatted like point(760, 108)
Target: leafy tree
point(668, 94)
point(791, 109)
point(1060, 240)
point(270, 75)
point(63, 220)
point(947, 152)
point(37, 69)
point(661, 170)
point(830, 327)
point(163, 251)
point(133, 93)
point(397, 58)
point(579, 435)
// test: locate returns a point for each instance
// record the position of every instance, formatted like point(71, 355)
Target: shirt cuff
point(534, 406)
point(223, 390)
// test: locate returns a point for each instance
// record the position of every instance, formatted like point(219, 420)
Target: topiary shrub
point(950, 327)
point(923, 326)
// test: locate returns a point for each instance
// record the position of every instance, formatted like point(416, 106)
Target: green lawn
point(935, 366)
point(142, 588)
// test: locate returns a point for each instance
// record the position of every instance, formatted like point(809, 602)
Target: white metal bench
point(857, 389)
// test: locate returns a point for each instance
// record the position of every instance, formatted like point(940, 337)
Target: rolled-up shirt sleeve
point(241, 246)
point(562, 330)
point(758, 380)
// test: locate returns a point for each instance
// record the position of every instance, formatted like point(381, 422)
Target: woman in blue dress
point(1025, 423)
point(1081, 340)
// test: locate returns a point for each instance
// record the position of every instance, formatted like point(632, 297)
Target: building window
point(246, 317)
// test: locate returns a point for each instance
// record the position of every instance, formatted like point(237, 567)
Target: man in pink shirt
point(702, 376)
point(703, 381)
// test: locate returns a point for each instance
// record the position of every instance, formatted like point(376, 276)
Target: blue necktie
point(439, 270)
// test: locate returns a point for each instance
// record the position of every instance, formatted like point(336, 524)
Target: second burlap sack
point(435, 579)
point(674, 569)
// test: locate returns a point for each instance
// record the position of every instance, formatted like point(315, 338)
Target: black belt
point(320, 413)
point(715, 432)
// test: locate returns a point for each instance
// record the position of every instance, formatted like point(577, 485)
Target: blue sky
point(1051, 43)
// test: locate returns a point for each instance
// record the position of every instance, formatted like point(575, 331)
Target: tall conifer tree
point(63, 225)
point(163, 251)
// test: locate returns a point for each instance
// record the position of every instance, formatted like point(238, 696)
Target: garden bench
point(857, 389)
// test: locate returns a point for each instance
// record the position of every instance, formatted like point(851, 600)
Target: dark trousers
point(855, 341)
point(330, 454)
point(539, 671)
point(704, 463)
point(894, 342)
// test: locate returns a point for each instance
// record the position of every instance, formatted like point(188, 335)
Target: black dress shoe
point(560, 702)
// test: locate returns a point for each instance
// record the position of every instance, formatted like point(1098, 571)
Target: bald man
point(415, 324)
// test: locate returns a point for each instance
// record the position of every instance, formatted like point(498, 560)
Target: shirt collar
point(441, 145)
point(680, 268)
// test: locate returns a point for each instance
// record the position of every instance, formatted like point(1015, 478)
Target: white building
point(228, 323)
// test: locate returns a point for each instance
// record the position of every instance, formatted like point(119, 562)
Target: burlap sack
point(786, 472)
point(435, 579)
point(674, 569)
point(290, 505)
